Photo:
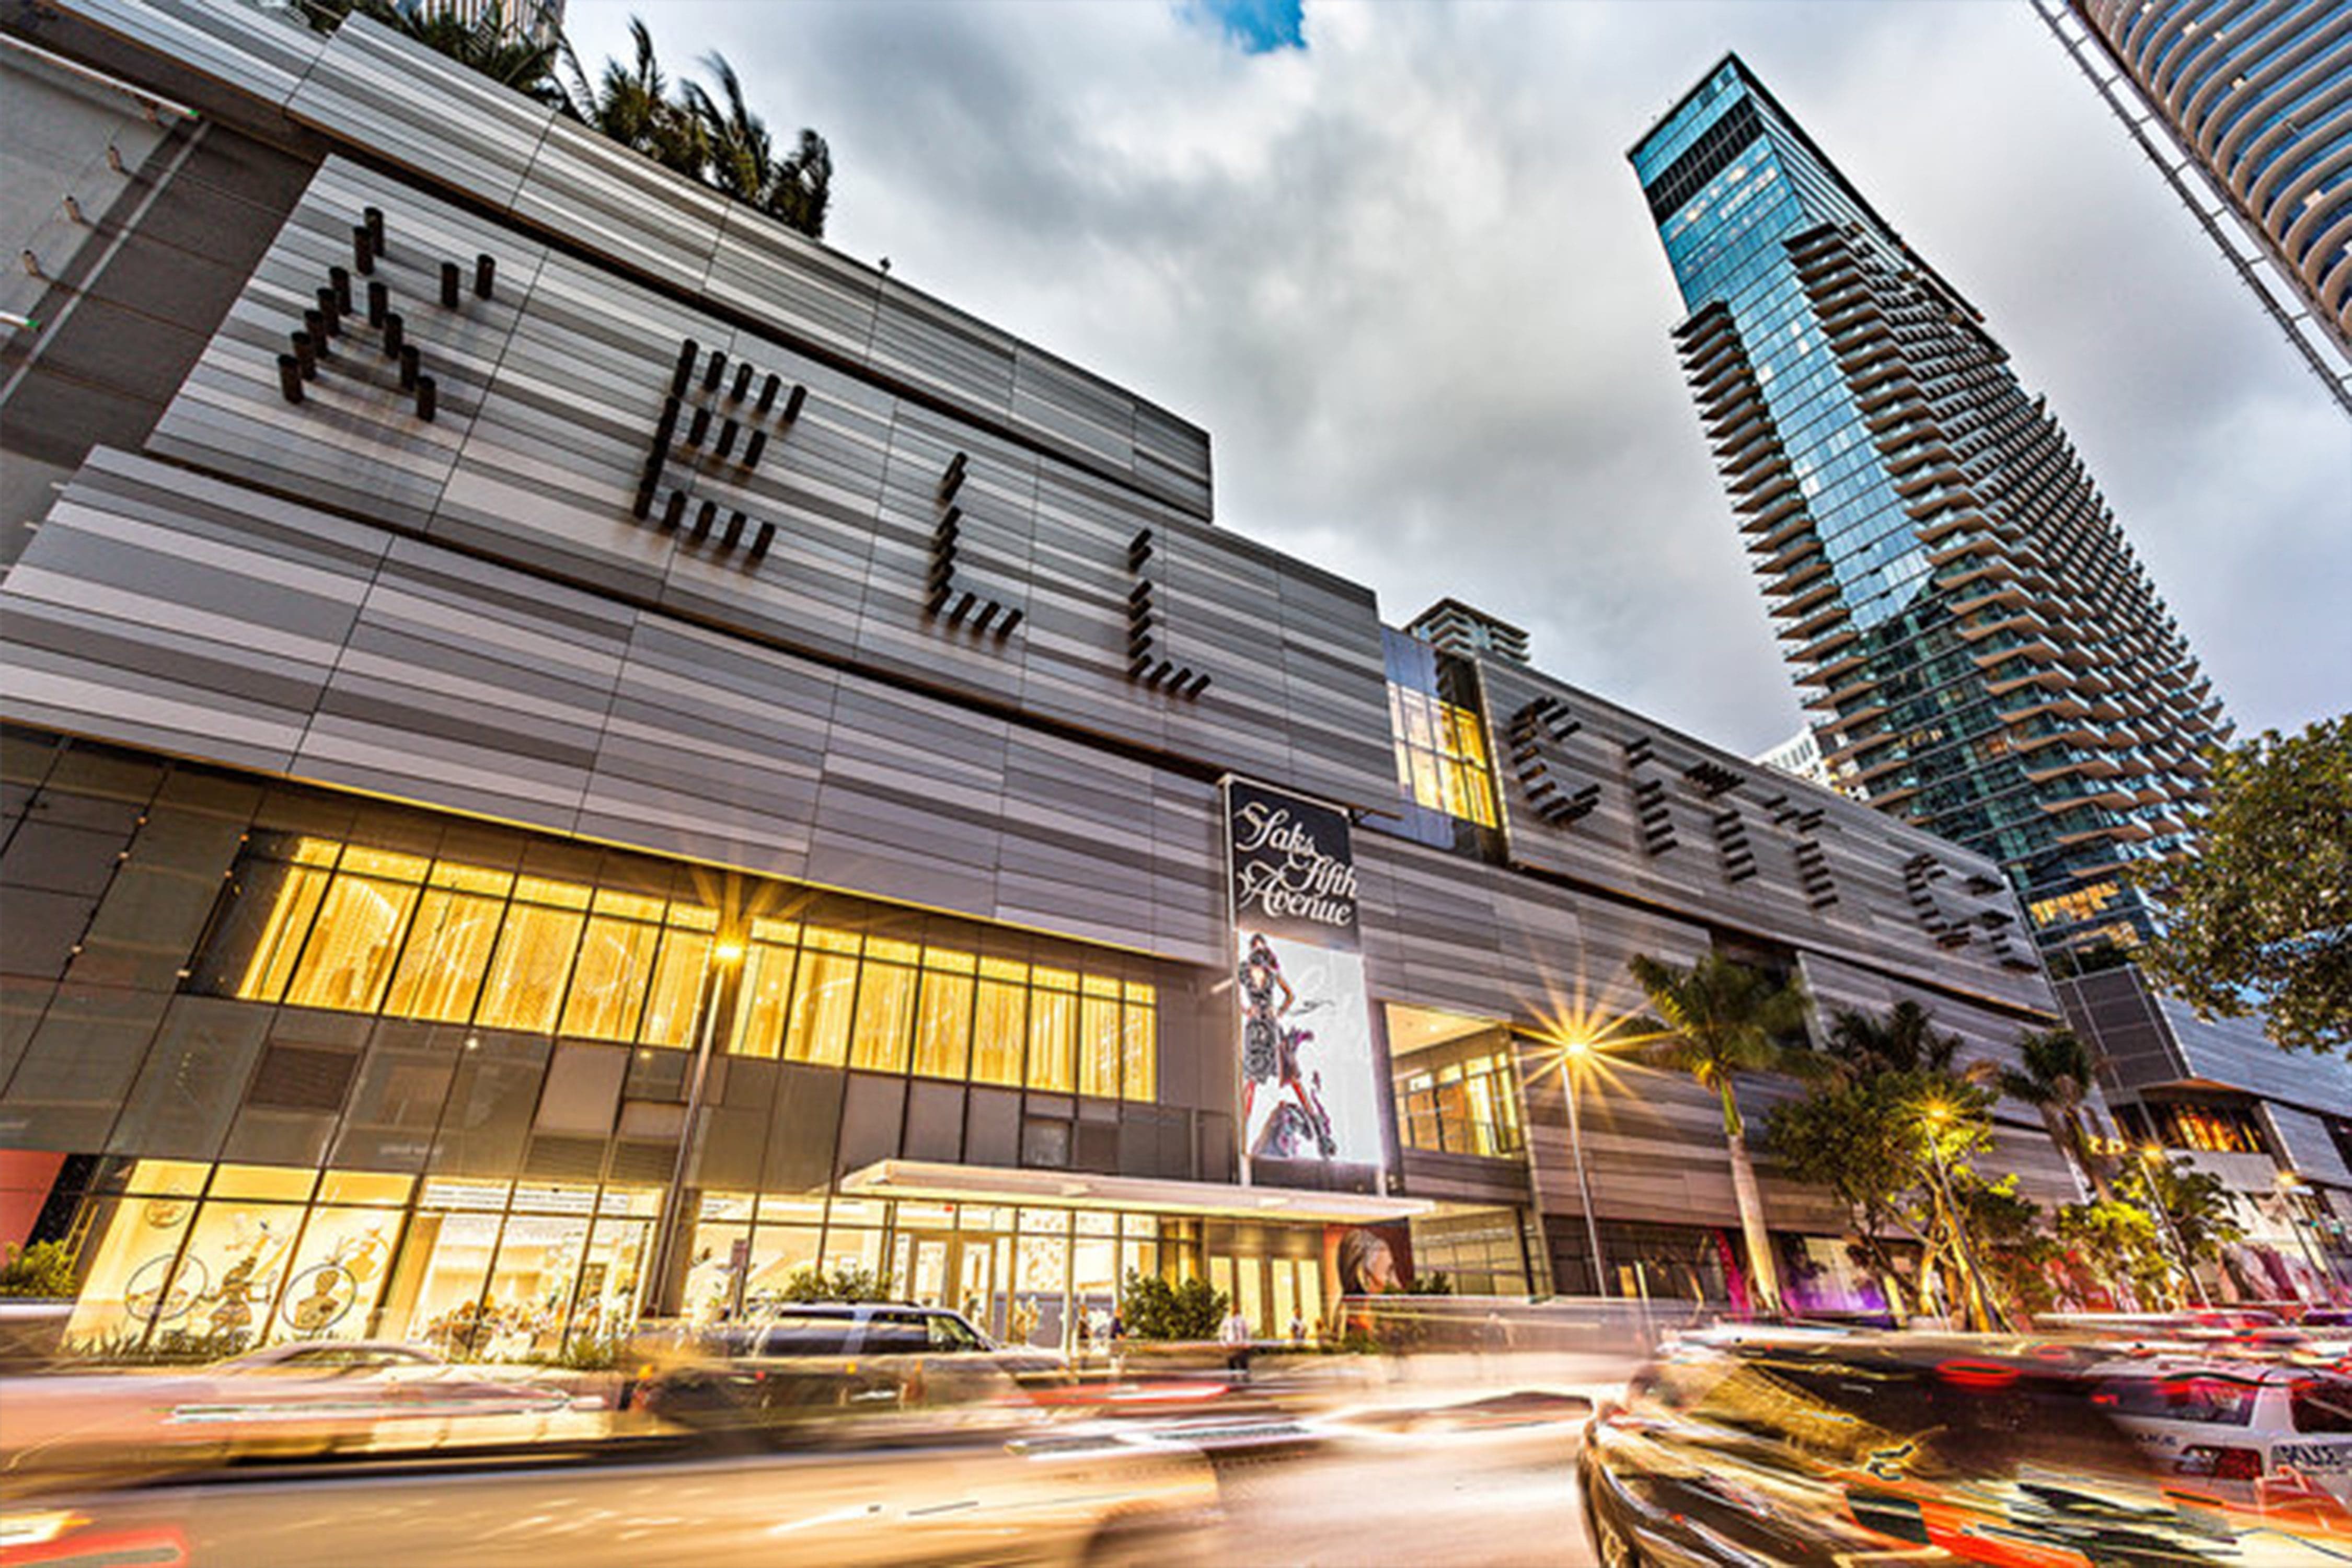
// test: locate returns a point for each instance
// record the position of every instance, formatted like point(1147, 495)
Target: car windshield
point(2214, 1398)
point(952, 1334)
point(1982, 1420)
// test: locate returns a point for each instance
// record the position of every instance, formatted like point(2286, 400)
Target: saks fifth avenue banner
point(1310, 1087)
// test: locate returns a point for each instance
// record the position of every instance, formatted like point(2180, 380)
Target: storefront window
point(339, 1273)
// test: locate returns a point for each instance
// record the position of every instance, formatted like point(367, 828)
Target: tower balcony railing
point(1804, 603)
point(1778, 523)
point(1814, 652)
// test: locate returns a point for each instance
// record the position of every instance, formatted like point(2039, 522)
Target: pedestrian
point(1235, 1337)
point(1297, 1327)
point(1117, 1345)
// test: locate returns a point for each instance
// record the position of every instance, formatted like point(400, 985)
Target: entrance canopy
point(1079, 1189)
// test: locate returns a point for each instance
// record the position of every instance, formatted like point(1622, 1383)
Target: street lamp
point(2151, 1156)
point(1575, 1052)
point(725, 955)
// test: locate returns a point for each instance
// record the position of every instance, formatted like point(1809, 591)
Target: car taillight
point(2220, 1464)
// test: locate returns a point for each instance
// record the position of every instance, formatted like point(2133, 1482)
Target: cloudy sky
point(1391, 258)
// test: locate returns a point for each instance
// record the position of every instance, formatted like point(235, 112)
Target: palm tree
point(2056, 1069)
point(481, 44)
point(796, 189)
point(1718, 1019)
point(631, 104)
point(1906, 1040)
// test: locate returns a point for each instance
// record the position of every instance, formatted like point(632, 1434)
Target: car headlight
point(21, 1530)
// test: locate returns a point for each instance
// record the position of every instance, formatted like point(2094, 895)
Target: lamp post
point(725, 955)
point(1574, 1053)
point(2151, 1157)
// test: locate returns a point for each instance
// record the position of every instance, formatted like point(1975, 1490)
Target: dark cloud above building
point(1394, 261)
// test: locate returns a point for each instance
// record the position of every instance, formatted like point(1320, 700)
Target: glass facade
point(1983, 653)
point(229, 1256)
point(1445, 776)
point(314, 923)
point(190, 1256)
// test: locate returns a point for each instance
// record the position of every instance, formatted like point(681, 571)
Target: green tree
point(2198, 1203)
point(1903, 1039)
point(1155, 1309)
point(2260, 917)
point(1717, 1020)
point(2055, 1074)
point(848, 1284)
point(2117, 1241)
point(2013, 1242)
point(45, 1270)
point(1851, 1139)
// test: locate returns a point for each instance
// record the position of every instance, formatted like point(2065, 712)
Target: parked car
point(804, 1367)
point(2234, 1420)
point(314, 1396)
point(1912, 1449)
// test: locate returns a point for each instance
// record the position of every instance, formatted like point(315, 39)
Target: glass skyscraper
point(1981, 650)
point(2246, 108)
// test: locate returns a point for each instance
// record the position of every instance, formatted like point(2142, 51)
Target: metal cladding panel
point(422, 110)
point(198, 617)
point(263, 56)
point(617, 202)
point(393, 98)
point(901, 540)
point(401, 668)
point(1658, 816)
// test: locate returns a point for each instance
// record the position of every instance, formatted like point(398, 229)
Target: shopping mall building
point(572, 753)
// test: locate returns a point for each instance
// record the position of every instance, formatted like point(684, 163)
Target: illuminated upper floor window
point(1468, 1107)
point(315, 924)
point(1441, 756)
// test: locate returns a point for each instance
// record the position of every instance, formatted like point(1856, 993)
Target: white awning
point(940, 1182)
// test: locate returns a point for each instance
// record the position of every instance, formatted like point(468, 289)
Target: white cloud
point(1406, 281)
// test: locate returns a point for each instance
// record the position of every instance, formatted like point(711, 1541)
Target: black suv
point(784, 1374)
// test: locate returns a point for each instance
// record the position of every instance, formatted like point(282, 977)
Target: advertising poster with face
point(1310, 1087)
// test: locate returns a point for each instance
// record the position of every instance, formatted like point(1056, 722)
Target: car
point(802, 1367)
point(2235, 1420)
point(1911, 1448)
point(306, 1397)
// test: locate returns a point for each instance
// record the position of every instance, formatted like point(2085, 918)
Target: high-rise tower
point(1984, 654)
point(2246, 108)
